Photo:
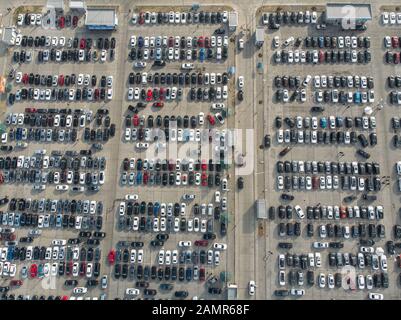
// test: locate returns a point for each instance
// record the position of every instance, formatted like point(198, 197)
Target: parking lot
point(157, 223)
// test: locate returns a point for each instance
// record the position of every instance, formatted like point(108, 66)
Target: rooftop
point(348, 10)
point(100, 17)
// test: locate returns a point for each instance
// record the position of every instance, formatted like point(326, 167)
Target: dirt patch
point(390, 8)
point(26, 9)
point(138, 9)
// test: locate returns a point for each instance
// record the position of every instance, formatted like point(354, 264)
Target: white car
point(184, 243)
point(219, 246)
point(300, 212)
point(392, 18)
point(322, 280)
point(281, 278)
point(80, 290)
point(217, 197)
point(241, 82)
point(187, 66)
point(132, 292)
point(251, 287)
point(375, 296)
point(385, 18)
point(320, 245)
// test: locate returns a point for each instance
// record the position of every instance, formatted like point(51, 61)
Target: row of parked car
point(322, 56)
point(172, 17)
point(55, 120)
point(327, 96)
point(60, 95)
point(391, 18)
point(50, 220)
point(53, 162)
point(75, 55)
point(329, 212)
point(169, 224)
point(329, 182)
point(36, 19)
point(289, 17)
point(392, 57)
point(180, 79)
point(161, 55)
point(61, 80)
point(329, 167)
point(178, 42)
point(185, 165)
point(360, 282)
point(323, 137)
point(39, 135)
point(332, 42)
point(55, 206)
point(395, 97)
point(324, 81)
point(172, 179)
point(60, 42)
point(332, 122)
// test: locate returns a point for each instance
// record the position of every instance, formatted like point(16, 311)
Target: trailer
point(259, 36)
point(232, 289)
point(261, 212)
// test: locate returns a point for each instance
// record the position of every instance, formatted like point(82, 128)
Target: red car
point(202, 274)
point(30, 110)
point(162, 93)
point(343, 212)
point(74, 21)
point(207, 42)
point(82, 43)
point(25, 78)
point(149, 95)
point(321, 56)
point(33, 271)
point(111, 257)
point(135, 120)
point(394, 42)
point(171, 165)
point(211, 119)
point(171, 42)
point(204, 165)
point(97, 94)
point(141, 18)
point(315, 183)
point(61, 22)
point(15, 283)
point(201, 243)
point(204, 179)
point(64, 298)
point(201, 42)
point(158, 104)
point(61, 80)
point(145, 177)
point(396, 57)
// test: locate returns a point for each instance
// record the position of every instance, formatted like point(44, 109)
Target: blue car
point(321, 42)
point(357, 97)
point(202, 54)
point(323, 123)
point(139, 178)
point(10, 253)
point(156, 208)
point(140, 42)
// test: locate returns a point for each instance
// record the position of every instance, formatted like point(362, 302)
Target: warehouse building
point(348, 14)
point(101, 19)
